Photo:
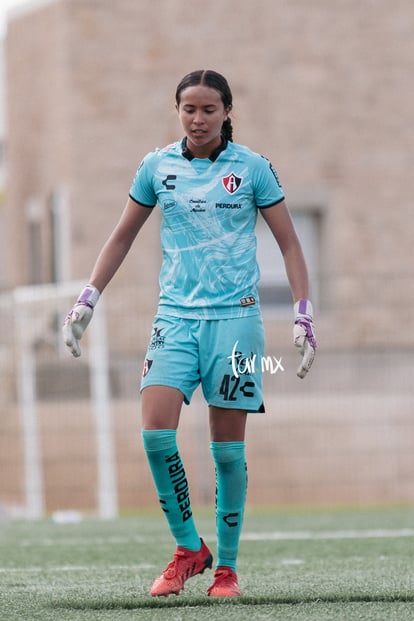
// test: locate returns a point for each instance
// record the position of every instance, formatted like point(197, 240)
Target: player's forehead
point(200, 96)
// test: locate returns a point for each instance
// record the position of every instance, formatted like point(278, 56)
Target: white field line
point(67, 568)
point(380, 533)
point(266, 536)
point(307, 535)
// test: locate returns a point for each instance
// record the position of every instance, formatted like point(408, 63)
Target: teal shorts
point(223, 355)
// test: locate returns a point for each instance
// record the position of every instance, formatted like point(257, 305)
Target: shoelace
point(172, 568)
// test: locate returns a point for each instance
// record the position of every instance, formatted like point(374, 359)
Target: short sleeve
point(142, 188)
point(267, 187)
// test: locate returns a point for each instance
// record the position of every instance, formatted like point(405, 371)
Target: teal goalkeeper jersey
point(209, 212)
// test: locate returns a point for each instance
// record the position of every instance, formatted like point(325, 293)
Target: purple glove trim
point(89, 296)
point(307, 325)
point(85, 303)
point(302, 307)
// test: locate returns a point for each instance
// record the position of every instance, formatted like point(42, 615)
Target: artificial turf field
point(294, 564)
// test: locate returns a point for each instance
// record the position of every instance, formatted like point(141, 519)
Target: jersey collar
point(185, 151)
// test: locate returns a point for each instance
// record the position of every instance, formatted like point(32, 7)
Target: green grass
point(301, 565)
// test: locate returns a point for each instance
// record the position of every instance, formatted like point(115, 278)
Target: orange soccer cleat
point(184, 565)
point(225, 583)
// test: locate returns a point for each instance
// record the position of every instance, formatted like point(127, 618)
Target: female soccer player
point(210, 191)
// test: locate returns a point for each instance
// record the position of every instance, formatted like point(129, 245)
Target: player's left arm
point(280, 223)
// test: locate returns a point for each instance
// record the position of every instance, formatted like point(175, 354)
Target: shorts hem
point(259, 410)
point(187, 398)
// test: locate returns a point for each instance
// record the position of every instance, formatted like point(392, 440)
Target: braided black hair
point(213, 80)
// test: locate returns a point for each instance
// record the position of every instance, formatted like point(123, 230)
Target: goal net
point(37, 314)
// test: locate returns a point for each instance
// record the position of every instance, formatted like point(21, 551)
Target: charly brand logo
point(166, 182)
point(245, 365)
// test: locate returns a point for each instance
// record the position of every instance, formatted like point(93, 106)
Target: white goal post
point(35, 308)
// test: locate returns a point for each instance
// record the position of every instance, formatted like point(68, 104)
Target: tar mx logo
point(232, 183)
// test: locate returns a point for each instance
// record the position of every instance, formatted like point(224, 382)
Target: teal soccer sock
point(171, 485)
point(231, 487)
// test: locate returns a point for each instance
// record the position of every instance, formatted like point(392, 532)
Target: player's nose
point(198, 118)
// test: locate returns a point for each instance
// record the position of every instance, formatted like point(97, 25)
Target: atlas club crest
point(231, 183)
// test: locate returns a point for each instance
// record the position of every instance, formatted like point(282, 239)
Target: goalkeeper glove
point(78, 319)
point(304, 335)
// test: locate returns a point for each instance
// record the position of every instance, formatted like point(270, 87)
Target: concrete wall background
point(325, 91)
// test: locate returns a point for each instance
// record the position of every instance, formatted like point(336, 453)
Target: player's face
point(202, 113)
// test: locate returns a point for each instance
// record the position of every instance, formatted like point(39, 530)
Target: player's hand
point(78, 318)
point(304, 335)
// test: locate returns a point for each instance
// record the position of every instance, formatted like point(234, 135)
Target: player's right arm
point(118, 244)
point(141, 200)
point(109, 260)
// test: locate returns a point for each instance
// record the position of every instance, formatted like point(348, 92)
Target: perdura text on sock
point(180, 483)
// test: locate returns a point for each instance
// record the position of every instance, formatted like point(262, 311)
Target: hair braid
point(227, 130)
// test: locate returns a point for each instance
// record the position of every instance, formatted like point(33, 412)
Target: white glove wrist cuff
point(303, 308)
point(89, 296)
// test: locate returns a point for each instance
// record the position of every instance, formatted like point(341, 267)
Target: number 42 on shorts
point(231, 384)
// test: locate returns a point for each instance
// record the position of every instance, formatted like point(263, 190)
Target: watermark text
point(244, 365)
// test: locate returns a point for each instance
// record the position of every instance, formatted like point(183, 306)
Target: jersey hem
point(207, 314)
